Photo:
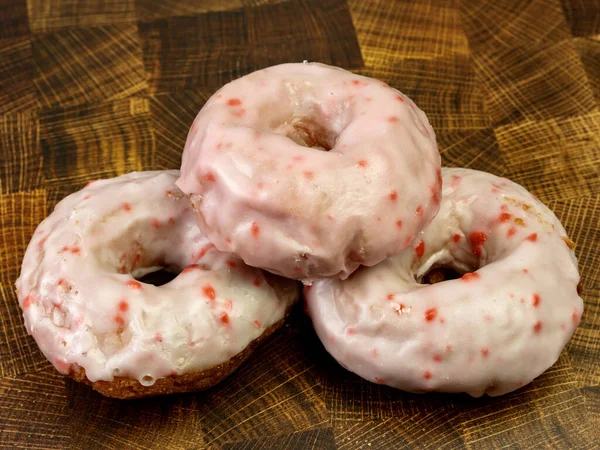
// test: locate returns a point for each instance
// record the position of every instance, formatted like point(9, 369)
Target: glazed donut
point(308, 171)
point(500, 325)
point(95, 322)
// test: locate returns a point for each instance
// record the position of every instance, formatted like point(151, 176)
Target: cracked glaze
point(491, 331)
point(83, 306)
point(264, 188)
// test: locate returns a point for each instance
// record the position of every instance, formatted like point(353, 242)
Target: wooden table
point(95, 89)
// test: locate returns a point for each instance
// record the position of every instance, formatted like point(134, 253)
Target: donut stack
point(303, 172)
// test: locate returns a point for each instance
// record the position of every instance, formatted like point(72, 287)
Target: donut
point(490, 331)
point(309, 171)
point(91, 317)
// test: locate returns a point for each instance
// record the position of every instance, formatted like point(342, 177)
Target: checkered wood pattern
point(96, 89)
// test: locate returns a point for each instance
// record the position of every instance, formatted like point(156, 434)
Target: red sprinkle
point(231, 264)
point(434, 194)
point(485, 352)
point(209, 292)
point(351, 331)
point(155, 223)
point(190, 268)
point(532, 237)
point(133, 284)
point(420, 249)
point(298, 158)
point(356, 82)
point(400, 98)
point(393, 195)
point(471, 276)
point(224, 317)
point(478, 238)
point(158, 337)
point(203, 250)
point(504, 217)
point(575, 317)
point(537, 327)
point(127, 207)
point(390, 296)
point(76, 250)
point(62, 281)
point(255, 229)
point(234, 102)
point(431, 314)
point(456, 237)
point(427, 375)
point(209, 176)
point(256, 324)
point(399, 223)
point(362, 163)
point(392, 119)
point(536, 300)
point(308, 174)
point(437, 357)
point(511, 232)
point(123, 306)
point(257, 282)
point(27, 301)
point(120, 320)
point(379, 380)
point(455, 181)
point(419, 211)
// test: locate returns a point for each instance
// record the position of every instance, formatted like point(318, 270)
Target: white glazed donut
point(87, 312)
point(264, 188)
point(493, 330)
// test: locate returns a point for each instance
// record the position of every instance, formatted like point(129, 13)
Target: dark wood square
point(172, 117)
point(149, 10)
point(534, 83)
point(13, 19)
point(91, 64)
point(582, 16)
point(556, 158)
point(589, 53)
point(388, 31)
point(17, 73)
point(50, 15)
point(320, 438)
point(21, 156)
point(580, 218)
point(116, 136)
point(208, 50)
point(34, 408)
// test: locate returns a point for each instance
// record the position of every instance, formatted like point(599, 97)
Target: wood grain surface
point(96, 89)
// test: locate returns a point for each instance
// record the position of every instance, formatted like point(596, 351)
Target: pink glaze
point(493, 330)
point(83, 306)
point(264, 188)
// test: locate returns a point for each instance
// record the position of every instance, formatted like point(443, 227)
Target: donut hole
point(159, 277)
point(439, 274)
point(310, 126)
point(308, 133)
point(147, 250)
